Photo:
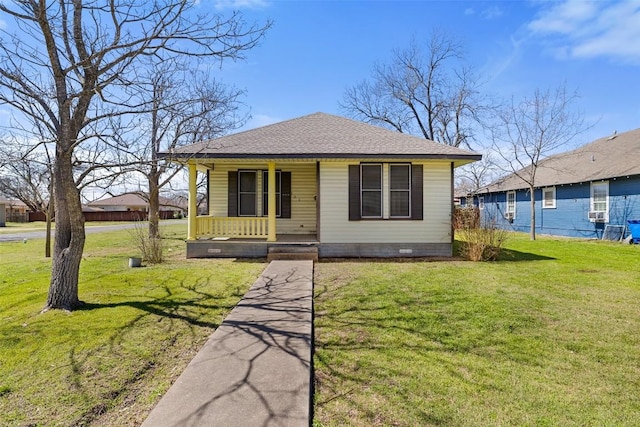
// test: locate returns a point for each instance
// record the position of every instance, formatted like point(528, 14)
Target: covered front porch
point(252, 205)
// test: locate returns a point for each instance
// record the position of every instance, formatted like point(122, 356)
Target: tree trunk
point(154, 206)
point(69, 237)
point(532, 196)
point(47, 242)
point(49, 214)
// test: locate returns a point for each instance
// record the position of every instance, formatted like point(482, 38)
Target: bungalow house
point(578, 192)
point(347, 188)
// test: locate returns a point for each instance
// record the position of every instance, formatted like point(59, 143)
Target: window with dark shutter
point(405, 191)
point(399, 191)
point(371, 190)
point(232, 194)
point(416, 192)
point(247, 193)
point(354, 192)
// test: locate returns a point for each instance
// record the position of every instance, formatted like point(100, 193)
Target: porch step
point(291, 253)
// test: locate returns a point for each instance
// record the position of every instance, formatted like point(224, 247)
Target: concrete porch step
point(291, 253)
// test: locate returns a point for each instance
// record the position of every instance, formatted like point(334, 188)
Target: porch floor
point(280, 239)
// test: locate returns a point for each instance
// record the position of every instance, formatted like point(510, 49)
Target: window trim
point(407, 190)
point(381, 191)
point(553, 197)
point(605, 185)
point(255, 193)
point(508, 210)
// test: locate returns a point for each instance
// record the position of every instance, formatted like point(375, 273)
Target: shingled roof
point(605, 158)
point(322, 135)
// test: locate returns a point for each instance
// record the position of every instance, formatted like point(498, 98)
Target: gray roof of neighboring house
point(129, 199)
point(610, 157)
point(322, 135)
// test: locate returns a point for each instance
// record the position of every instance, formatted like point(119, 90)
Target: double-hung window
point(247, 193)
point(549, 198)
point(400, 191)
point(371, 190)
point(511, 203)
point(385, 191)
point(600, 196)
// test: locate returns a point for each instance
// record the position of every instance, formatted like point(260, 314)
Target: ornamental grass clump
point(482, 243)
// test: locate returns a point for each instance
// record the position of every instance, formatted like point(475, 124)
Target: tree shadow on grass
point(173, 322)
point(512, 255)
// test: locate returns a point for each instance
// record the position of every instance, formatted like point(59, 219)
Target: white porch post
point(193, 205)
point(271, 213)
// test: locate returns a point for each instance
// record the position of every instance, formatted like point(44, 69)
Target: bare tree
point(64, 66)
point(427, 92)
point(474, 176)
point(27, 177)
point(183, 106)
point(528, 131)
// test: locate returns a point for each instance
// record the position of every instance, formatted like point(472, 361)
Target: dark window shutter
point(285, 194)
point(354, 192)
point(416, 192)
point(233, 194)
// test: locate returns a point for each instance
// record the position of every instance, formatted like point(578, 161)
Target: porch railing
point(216, 226)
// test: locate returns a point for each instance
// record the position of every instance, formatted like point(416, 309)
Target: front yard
point(550, 335)
point(109, 363)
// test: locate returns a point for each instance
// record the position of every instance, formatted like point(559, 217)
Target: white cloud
point(492, 12)
point(488, 13)
point(580, 29)
point(240, 4)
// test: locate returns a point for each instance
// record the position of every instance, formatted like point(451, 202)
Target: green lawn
point(17, 227)
point(548, 336)
point(109, 363)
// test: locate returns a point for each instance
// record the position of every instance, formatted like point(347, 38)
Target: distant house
point(133, 202)
point(14, 210)
point(577, 193)
point(348, 188)
point(3, 214)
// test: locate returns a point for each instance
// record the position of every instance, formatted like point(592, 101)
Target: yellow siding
point(334, 210)
point(303, 194)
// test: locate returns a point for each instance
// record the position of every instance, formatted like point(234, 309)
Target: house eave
point(184, 158)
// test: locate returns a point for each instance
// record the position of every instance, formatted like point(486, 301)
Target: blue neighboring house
point(578, 193)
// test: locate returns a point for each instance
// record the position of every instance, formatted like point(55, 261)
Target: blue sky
point(316, 49)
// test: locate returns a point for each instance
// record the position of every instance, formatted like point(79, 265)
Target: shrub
point(152, 248)
point(482, 243)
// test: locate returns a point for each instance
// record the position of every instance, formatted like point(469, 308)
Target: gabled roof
point(605, 158)
point(128, 199)
point(322, 135)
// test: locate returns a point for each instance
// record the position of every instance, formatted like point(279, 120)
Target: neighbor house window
point(549, 197)
point(265, 193)
point(511, 203)
point(600, 196)
point(371, 190)
point(399, 191)
point(481, 202)
point(247, 195)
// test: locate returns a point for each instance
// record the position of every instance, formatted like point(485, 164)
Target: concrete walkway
point(255, 370)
